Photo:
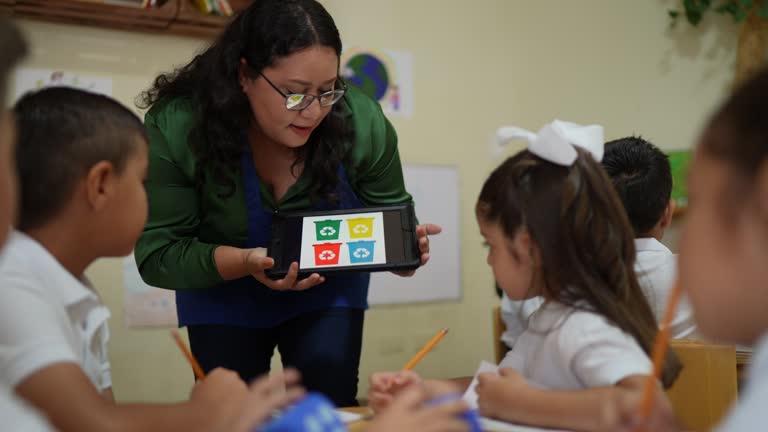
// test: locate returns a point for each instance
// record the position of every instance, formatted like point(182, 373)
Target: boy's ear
point(100, 184)
point(669, 213)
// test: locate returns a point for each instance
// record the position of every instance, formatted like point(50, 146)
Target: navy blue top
point(247, 302)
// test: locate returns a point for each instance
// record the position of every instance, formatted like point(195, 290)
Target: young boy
point(15, 415)
point(81, 160)
point(641, 175)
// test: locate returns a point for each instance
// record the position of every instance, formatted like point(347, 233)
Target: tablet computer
point(366, 239)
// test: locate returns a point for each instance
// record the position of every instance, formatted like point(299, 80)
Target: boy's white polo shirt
point(48, 316)
point(18, 416)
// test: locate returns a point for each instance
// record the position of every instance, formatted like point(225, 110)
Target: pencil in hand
point(659, 354)
point(426, 349)
point(188, 354)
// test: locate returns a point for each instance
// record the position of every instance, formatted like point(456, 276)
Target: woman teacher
point(259, 123)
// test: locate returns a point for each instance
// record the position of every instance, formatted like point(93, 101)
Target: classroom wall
point(478, 65)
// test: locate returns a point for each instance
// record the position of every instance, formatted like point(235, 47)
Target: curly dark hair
point(264, 32)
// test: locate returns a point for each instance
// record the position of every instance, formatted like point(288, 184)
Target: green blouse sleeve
point(169, 254)
point(377, 173)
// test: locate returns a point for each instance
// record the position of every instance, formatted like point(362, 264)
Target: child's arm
point(508, 397)
point(71, 402)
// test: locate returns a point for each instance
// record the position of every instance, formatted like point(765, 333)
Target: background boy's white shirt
point(750, 413)
point(48, 316)
point(656, 269)
point(18, 416)
point(568, 349)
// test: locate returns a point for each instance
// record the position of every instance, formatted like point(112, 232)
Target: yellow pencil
point(426, 349)
point(659, 354)
point(188, 354)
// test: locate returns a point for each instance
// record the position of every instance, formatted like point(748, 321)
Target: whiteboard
point(435, 191)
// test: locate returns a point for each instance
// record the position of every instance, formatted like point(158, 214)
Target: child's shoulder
point(575, 327)
point(27, 266)
point(23, 258)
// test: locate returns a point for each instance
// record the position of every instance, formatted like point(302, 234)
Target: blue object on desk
point(314, 413)
point(470, 416)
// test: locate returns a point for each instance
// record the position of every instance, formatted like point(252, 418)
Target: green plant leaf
point(731, 8)
point(746, 4)
point(762, 12)
point(694, 10)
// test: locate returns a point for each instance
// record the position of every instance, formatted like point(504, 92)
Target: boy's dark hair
point(738, 134)
point(62, 133)
point(12, 49)
point(583, 237)
point(642, 177)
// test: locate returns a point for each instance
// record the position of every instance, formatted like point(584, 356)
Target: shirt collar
point(650, 244)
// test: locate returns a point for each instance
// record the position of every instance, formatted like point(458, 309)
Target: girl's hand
point(256, 261)
point(422, 234)
point(495, 393)
point(384, 386)
point(407, 413)
point(627, 404)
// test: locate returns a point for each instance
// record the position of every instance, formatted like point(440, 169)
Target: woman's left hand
point(422, 235)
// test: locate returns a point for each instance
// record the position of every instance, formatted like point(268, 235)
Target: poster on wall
point(384, 75)
point(28, 79)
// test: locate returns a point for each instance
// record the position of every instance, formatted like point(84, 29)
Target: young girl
point(555, 228)
point(723, 249)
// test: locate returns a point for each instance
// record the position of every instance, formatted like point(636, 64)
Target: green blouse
point(176, 249)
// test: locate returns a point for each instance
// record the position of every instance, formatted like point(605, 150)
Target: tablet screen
point(343, 240)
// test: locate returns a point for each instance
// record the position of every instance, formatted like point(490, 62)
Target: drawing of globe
point(368, 73)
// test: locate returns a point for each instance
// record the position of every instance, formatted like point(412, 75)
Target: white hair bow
point(555, 141)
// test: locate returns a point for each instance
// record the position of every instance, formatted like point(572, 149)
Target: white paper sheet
point(489, 425)
point(348, 417)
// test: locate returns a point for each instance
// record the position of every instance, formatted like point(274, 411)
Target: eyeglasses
point(300, 101)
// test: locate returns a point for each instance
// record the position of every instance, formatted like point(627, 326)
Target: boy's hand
point(385, 385)
point(223, 394)
point(407, 413)
point(268, 394)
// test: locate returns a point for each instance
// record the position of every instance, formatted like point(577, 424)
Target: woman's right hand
point(385, 385)
point(256, 261)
